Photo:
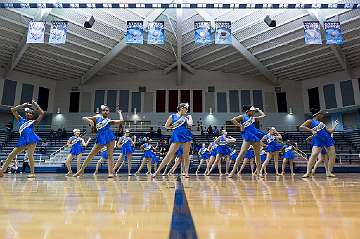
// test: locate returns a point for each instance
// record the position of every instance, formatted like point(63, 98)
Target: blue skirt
point(27, 139)
point(224, 150)
point(205, 156)
point(76, 150)
point(125, 150)
point(323, 140)
point(273, 147)
point(263, 157)
point(148, 154)
point(289, 155)
point(233, 157)
point(104, 155)
point(179, 153)
point(254, 135)
point(154, 159)
point(181, 135)
point(249, 154)
point(104, 137)
point(213, 152)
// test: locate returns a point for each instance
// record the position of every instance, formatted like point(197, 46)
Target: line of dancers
point(257, 148)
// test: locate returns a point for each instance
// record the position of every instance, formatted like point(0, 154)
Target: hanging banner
point(312, 33)
point(202, 32)
point(135, 32)
point(36, 32)
point(156, 34)
point(333, 33)
point(223, 32)
point(58, 32)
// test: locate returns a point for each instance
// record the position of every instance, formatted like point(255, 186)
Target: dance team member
point(104, 137)
point(28, 138)
point(179, 123)
point(77, 144)
point(204, 155)
point(126, 143)
point(249, 157)
point(273, 148)
point(103, 157)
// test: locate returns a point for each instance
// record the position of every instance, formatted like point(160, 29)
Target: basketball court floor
point(52, 206)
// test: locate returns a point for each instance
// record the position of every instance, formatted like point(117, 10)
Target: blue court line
point(182, 224)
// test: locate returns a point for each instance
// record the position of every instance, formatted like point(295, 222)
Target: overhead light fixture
point(210, 111)
point(58, 110)
point(270, 22)
point(97, 111)
point(291, 111)
point(89, 22)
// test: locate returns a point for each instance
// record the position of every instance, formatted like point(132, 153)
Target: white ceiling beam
point(115, 51)
point(225, 64)
point(20, 50)
point(173, 31)
point(169, 68)
point(216, 59)
point(179, 18)
point(207, 54)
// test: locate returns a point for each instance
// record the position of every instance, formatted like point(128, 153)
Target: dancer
point(126, 143)
point(250, 134)
point(204, 155)
point(103, 157)
point(181, 135)
point(273, 149)
point(249, 157)
point(104, 137)
point(28, 139)
point(77, 144)
point(147, 158)
point(289, 155)
point(213, 152)
point(223, 151)
point(321, 139)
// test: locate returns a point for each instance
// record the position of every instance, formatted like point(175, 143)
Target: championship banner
point(156, 34)
point(36, 32)
point(333, 33)
point(135, 32)
point(202, 32)
point(312, 33)
point(58, 32)
point(223, 32)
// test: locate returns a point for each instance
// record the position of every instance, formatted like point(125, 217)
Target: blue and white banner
point(58, 32)
point(223, 32)
point(333, 33)
point(36, 32)
point(202, 32)
point(312, 32)
point(156, 34)
point(135, 32)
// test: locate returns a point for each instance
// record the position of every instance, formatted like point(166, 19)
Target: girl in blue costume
point(213, 152)
point(223, 150)
point(103, 157)
point(148, 157)
point(204, 155)
point(249, 157)
point(273, 149)
point(321, 139)
point(104, 137)
point(250, 134)
point(323, 157)
point(181, 135)
point(126, 143)
point(28, 139)
point(77, 144)
point(289, 155)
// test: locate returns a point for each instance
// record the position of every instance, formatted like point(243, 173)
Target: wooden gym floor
point(52, 206)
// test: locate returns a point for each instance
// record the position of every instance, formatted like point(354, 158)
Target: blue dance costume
point(179, 152)
point(104, 153)
point(204, 153)
point(233, 155)
point(250, 133)
point(249, 154)
point(213, 147)
point(272, 144)
point(181, 133)
point(262, 155)
point(322, 138)
point(149, 153)
point(126, 145)
point(76, 147)
point(223, 148)
point(27, 134)
point(289, 152)
point(104, 134)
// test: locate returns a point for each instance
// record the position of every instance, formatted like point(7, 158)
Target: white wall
point(334, 78)
point(37, 81)
point(156, 80)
